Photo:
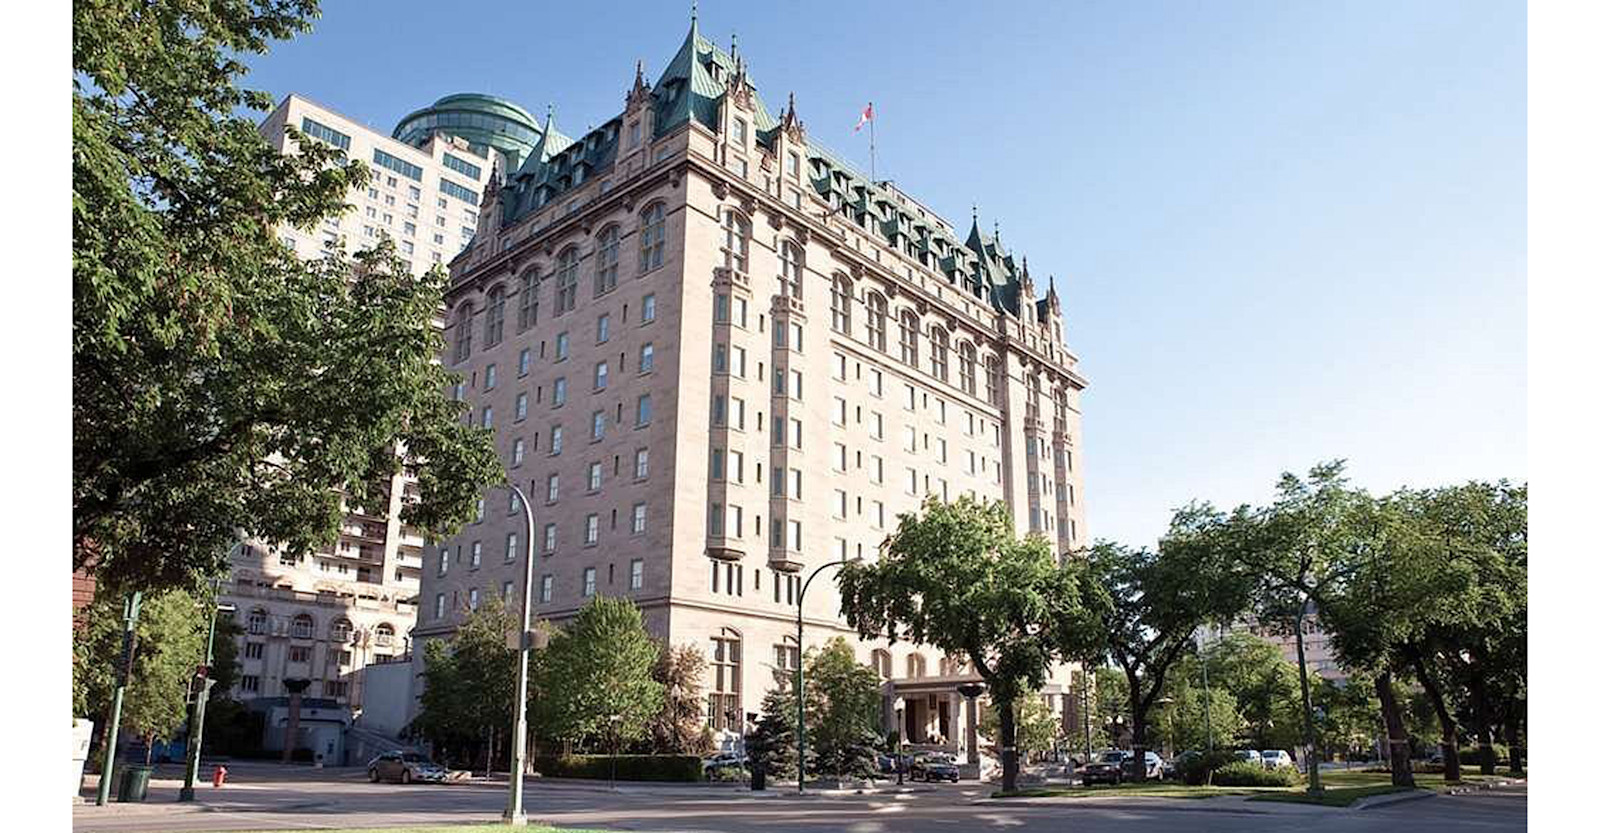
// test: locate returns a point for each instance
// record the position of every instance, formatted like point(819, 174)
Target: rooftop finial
point(791, 101)
point(974, 212)
point(997, 231)
point(733, 48)
point(694, 12)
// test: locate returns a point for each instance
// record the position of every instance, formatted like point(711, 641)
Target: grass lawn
point(1159, 789)
point(1341, 788)
point(460, 828)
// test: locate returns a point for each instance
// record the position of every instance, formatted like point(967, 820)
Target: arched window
point(605, 265)
point(916, 666)
point(528, 300)
point(567, 280)
point(494, 319)
point(908, 337)
point(339, 631)
point(302, 627)
point(652, 237)
point(992, 366)
point(463, 333)
point(257, 623)
point(939, 346)
point(877, 322)
point(794, 268)
point(883, 664)
point(842, 290)
point(724, 703)
point(969, 368)
point(735, 241)
point(383, 635)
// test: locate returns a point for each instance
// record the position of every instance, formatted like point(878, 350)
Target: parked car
point(1174, 767)
point(1276, 759)
point(935, 767)
point(1105, 768)
point(404, 767)
point(1153, 766)
point(1248, 756)
point(722, 760)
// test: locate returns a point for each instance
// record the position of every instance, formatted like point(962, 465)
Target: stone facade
point(717, 359)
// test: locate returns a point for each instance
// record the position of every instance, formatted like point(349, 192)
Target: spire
point(694, 20)
point(733, 47)
point(791, 123)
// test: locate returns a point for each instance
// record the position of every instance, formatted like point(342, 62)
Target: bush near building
point(1246, 774)
point(628, 767)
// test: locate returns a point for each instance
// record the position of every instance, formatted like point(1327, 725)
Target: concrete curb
point(1392, 798)
point(1132, 802)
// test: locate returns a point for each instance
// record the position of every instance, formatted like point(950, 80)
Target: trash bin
point(758, 778)
point(135, 783)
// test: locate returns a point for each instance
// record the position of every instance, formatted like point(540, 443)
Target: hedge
point(1469, 755)
point(1246, 774)
point(628, 767)
point(1194, 768)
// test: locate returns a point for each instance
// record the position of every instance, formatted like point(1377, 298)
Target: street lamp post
point(1166, 702)
point(1205, 680)
point(130, 618)
point(197, 718)
point(530, 640)
point(799, 667)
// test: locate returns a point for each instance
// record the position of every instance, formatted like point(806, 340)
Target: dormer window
point(739, 130)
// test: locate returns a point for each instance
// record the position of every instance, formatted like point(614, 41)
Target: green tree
point(1152, 602)
point(212, 368)
point(1037, 726)
point(1186, 723)
point(470, 683)
point(1262, 684)
point(772, 745)
point(596, 678)
point(679, 727)
point(843, 711)
point(956, 577)
point(169, 641)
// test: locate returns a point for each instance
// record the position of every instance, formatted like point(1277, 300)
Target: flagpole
point(872, 144)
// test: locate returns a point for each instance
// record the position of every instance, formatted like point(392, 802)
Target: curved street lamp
point(530, 640)
point(799, 667)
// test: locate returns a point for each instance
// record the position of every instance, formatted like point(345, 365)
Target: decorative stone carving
point(720, 189)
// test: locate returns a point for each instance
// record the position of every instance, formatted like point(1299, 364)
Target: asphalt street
point(267, 798)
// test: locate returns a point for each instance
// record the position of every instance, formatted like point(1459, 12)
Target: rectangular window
point(549, 537)
point(524, 359)
point(547, 588)
point(522, 406)
point(511, 546)
point(647, 357)
point(472, 598)
point(563, 346)
point(841, 457)
point(591, 529)
point(641, 464)
point(636, 574)
point(588, 582)
point(597, 425)
point(647, 311)
point(841, 504)
point(556, 435)
point(469, 196)
point(558, 393)
point(398, 165)
point(253, 650)
point(595, 472)
point(517, 450)
point(643, 416)
point(602, 376)
point(638, 518)
point(489, 377)
point(460, 165)
point(318, 130)
point(602, 329)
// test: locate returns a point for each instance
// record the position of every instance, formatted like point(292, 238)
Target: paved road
point(268, 800)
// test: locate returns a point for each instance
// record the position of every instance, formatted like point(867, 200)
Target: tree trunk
point(1395, 728)
point(1008, 746)
point(1447, 723)
point(1480, 711)
point(1313, 758)
point(149, 748)
point(1513, 734)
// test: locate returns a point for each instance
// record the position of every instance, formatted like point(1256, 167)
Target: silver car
point(1276, 758)
point(404, 767)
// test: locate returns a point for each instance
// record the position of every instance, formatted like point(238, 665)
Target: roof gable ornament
point(1053, 299)
point(639, 94)
point(792, 126)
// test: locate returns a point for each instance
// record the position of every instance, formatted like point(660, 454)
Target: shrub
point(730, 773)
point(1469, 755)
point(1193, 769)
point(1246, 774)
point(628, 767)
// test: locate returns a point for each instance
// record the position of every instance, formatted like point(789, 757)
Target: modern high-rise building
point(717, 357)
point(326, 616)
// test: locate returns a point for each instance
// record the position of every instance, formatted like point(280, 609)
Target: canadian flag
point(866, 116)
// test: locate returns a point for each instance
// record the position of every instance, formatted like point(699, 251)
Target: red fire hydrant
point(219, 776)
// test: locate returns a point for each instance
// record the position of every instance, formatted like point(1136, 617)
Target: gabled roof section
point(695, 83)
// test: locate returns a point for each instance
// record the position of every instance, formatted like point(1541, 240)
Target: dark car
point(935, 767)
point(1105, 768)
point(1154, 767)
point(404, 767)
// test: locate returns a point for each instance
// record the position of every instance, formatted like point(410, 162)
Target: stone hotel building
point(717, 357)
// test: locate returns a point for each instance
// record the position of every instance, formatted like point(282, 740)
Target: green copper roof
point(483, 120)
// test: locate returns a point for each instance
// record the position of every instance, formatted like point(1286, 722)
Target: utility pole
point(130, 618)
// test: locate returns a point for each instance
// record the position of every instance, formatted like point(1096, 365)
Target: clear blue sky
point(1283, 231)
